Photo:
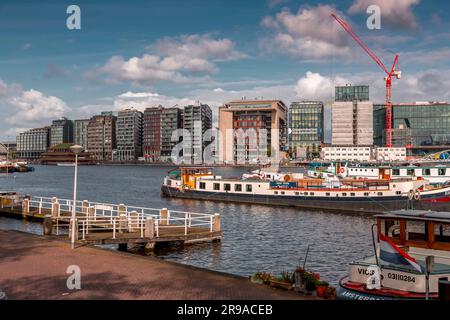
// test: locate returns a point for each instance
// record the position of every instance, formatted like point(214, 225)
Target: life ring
point(417, 195)
point(341, 170)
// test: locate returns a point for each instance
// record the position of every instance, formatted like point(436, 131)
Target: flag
point(392, 254)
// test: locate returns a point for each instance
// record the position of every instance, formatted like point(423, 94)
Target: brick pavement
point(34, 267)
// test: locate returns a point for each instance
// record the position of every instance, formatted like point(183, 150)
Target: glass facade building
point(427, 125)
point(352, 93)
point(306, 122)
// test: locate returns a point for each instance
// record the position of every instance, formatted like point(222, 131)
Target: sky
point(146, 53)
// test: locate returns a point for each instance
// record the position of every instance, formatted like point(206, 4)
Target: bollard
point(85, 207)
point(216, 222)
point(133, 223)
point(164, 217)
point(91, 213)
point(48, 225)
point(55, 209)
point(149, 228)
point(25, 207)
point(122, 222)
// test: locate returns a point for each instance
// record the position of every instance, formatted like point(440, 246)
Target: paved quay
point(34, 267)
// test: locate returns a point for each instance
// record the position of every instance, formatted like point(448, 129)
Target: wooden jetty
point(105, 223)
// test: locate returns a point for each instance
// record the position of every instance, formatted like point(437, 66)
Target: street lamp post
point(76, 149)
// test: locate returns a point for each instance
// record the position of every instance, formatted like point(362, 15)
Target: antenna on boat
point(306, 256)
point(374, 245)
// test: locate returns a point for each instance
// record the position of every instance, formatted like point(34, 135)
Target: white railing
point(95, 216)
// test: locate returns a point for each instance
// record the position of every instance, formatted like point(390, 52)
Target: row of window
point(344, 194)
point(227, 187)
point(425, 172)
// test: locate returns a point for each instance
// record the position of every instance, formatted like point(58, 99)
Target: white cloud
point(310, 33)
point(27, 108)
point(180, 60)
point(314, 86)
point(396, 13)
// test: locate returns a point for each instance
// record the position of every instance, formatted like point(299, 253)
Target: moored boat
point(328, 193)
point(412, 259)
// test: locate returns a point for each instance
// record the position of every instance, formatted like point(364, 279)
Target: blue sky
point(143, 53)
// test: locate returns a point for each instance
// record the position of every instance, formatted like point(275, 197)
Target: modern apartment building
point(152, 133)
point(129, 135)
point(32, 143)
point(247, 125)
point(196, 120)
point(352, 117)
point(171, 120)
point(80, 132)
point(102, 137)
point(306, 124)
point(61, 131)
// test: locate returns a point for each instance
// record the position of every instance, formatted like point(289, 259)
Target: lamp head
point(76, 149)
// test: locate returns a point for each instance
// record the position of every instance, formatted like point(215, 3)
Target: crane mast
point(388, 79)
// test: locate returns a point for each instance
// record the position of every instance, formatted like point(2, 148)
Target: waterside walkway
point(34, 267)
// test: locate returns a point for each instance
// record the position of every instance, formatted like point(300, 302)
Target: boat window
point(297, 193)
point(398, 192)
point(395, 172)
point(410, 172)
point(366, 194)
point(238, 187)
point(282, 192)
point(216, 186)
point(344, 194)
point(327, 194)
point(248, 187)
point(305, 193)
point(202, 185)
point(441, 171)
point(416, 230)
point(227, 187)
point(311, 193)
point(391, 228)
point(442, 233)
point(352, 194)
point(275, 192)
point(426, 171)
point(380, 193)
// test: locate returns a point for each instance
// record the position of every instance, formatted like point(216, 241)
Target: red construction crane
point(389, 74)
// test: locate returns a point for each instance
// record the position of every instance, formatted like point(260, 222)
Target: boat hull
point(436, 202)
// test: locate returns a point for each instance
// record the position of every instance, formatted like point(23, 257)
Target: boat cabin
point(417, 229)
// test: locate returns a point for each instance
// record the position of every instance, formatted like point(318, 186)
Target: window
point(248, 187)
point(344, 194)
point(238, 187)
point(366, 194)
point(398, 192)
point(441, 171)
point(311, 193)
point(297, 193)
point(327, 194)
point(202, 185)
point(227, 187)
point(275, 192)
point(282, 192)
point(410, 172)
point(352, 194)
point(216, 186)
point(395, 172)
point(380, 193)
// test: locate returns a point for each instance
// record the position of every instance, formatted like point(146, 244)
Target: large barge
point(297, 190)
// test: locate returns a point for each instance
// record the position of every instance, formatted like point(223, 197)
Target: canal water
point(255, 237)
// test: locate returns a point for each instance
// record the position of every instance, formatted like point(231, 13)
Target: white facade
point(352, 123)
point(390, 154)
point(345, 153)
point(342, 123)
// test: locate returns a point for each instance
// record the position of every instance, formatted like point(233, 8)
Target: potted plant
point(321, 287)
point(261, 277)
point(309, 279)
point(284, 281)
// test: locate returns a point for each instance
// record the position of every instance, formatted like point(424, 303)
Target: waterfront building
point(352, 123)
point(306, 123)
point(171, 121)
point(80, 132)
point(32, 143)
point(8, 150)
point(61, 131)
point(379, 124)
point(352, 93)
point(242, 124)
point(196, 120)
point(102, 137)
point(422, 127)
point(152, 133)
point(129, 135)
point(347, 153)
point(390, 154)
